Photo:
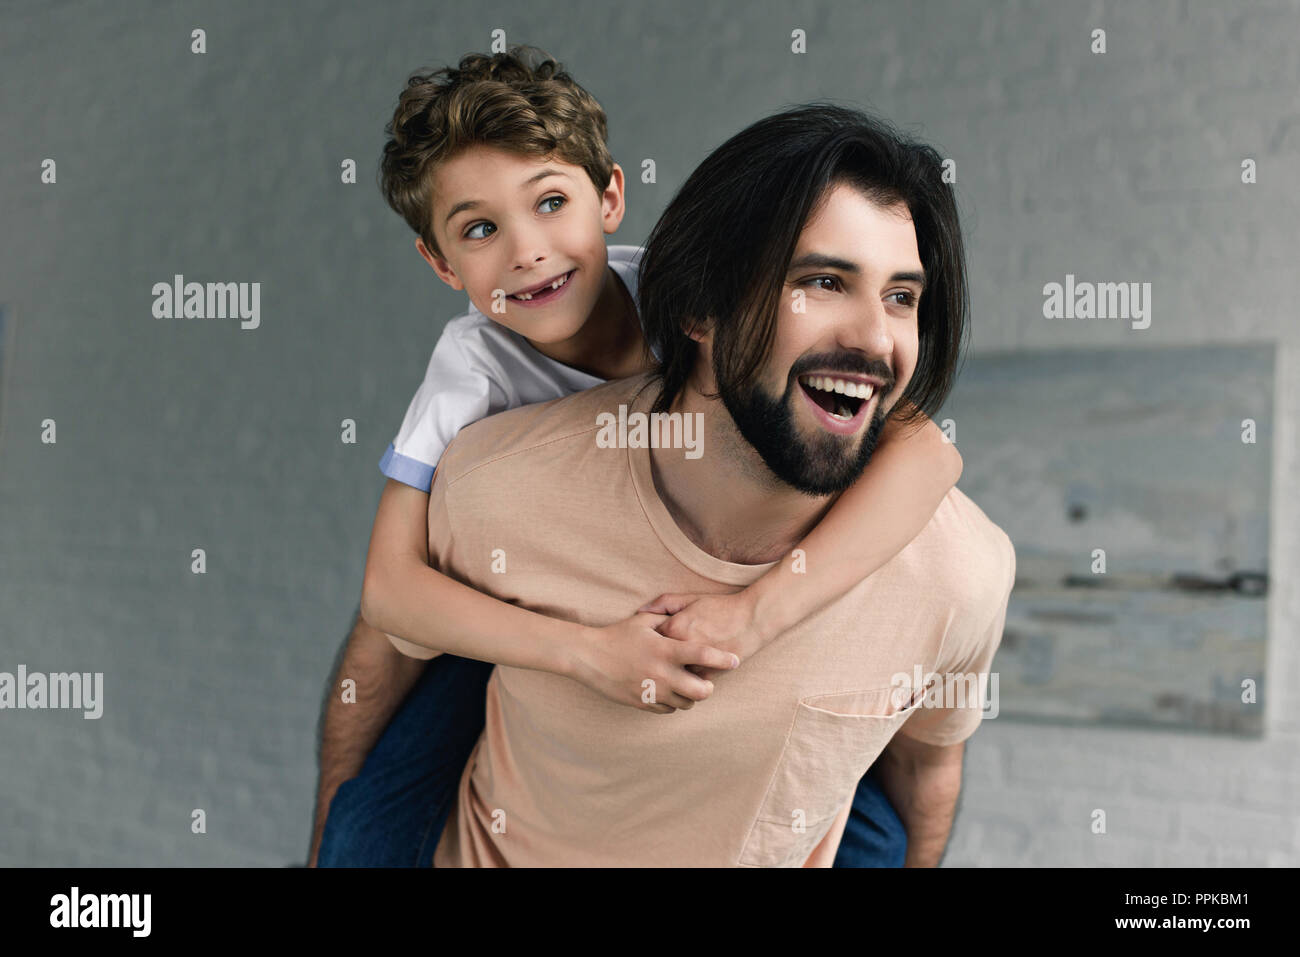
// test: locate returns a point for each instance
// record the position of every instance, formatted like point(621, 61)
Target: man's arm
point(922, 782)
point(383, 677)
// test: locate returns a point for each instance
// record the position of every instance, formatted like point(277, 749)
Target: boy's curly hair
point(520, 100)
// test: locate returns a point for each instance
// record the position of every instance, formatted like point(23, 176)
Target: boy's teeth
point(555, 285)
point(859, 390)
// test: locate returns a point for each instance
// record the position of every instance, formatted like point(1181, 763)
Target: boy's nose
point(529, 250)
point(526, 261)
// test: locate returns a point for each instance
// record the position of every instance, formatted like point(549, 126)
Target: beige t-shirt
point(764, 771)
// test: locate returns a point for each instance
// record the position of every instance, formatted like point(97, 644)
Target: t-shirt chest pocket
point(833, 741)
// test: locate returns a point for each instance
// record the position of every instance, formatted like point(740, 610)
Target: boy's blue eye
point(469, 233)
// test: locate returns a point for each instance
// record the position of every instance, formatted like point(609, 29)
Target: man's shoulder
point(958, 507)
point(562, 426)
point(966, 551)
point(626, 255)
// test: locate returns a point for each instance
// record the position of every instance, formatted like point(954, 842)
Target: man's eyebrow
point(824, 261)
point(473, 203)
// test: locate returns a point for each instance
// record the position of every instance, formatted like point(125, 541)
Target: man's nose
point(869, 332)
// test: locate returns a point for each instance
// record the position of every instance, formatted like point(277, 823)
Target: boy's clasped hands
point(665, 656)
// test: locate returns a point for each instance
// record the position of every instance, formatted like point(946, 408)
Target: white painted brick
point(215, 683)
point(1248, 831)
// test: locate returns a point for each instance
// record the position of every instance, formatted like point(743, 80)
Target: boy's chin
point(543, 331)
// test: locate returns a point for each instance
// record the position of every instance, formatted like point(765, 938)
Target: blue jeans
point(392, 813)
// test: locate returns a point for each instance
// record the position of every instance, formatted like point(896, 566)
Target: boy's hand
point(616, 660)
point(720, 621)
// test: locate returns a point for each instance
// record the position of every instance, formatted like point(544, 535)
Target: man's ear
point(612, 205)
point(440, 265)
point(695, 330)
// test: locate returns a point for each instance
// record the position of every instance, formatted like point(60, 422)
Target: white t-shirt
point(479, 368)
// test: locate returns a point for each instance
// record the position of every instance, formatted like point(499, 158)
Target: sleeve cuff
point(409, 471)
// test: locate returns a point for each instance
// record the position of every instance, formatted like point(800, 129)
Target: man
point(813, 253)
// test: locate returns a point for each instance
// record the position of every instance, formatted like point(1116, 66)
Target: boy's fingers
point(665, 604)
point(678, 701)
point(666, 697)
point(695, 653)
point(670, 628)
point(694, 689)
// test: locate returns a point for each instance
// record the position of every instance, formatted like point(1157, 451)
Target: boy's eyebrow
point(824, 261)
point(472, 203)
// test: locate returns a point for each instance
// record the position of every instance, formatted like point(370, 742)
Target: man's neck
point(727, 501)
point(609, 344)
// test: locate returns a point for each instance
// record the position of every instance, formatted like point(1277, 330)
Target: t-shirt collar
point(662, 521)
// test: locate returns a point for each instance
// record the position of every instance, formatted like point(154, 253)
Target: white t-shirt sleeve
point(455, 392)
point(477, 369)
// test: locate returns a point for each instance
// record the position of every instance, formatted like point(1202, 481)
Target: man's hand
point(721, 621)
point(617, 661)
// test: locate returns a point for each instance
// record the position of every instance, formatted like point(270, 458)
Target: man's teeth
point(857, 390)
point(555, 285)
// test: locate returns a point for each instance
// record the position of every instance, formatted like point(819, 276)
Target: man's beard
point(824, 464)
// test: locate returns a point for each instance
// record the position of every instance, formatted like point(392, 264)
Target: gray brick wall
point(224, 166)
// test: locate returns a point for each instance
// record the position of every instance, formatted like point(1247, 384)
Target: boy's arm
point(909, 474)
point(426, 613)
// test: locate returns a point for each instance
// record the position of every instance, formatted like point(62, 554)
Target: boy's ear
point(611, 201)
point(440, 265)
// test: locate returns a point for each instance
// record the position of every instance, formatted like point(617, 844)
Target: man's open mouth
point(841, 398)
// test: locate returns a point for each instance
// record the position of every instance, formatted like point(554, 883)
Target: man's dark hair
point(720, 252)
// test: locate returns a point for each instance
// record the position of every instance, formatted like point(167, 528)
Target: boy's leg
point(874, 835)
point(392, 813)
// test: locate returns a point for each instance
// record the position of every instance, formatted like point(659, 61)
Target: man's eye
point(831, 279)
point(469, 233)
point(551, 199)
point(911, 300)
